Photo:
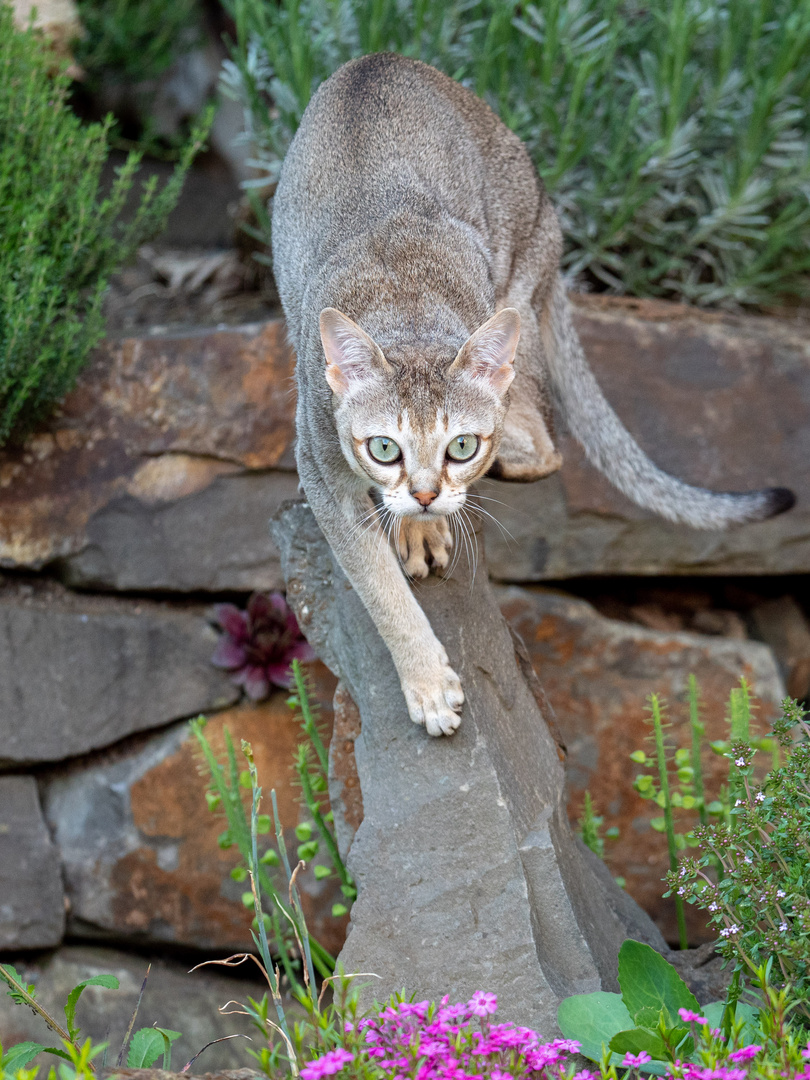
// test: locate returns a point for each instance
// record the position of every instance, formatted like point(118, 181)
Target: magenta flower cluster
point(422, 1041)
point(258, 645)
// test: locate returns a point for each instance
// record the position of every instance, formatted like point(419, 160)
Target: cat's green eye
point(384, 450)
point(462, 447)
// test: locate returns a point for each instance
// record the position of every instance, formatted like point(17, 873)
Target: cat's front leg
point(431, 688)
point(418, 537)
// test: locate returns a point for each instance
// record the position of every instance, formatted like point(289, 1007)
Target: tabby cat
point(416, 255)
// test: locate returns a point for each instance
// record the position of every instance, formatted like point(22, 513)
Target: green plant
point(62, 235)
point(653, 1015)
point(135, 39)
point(759, 899)
point(144, 1047)
point(256, 825)
point(225, 796)
point(678, 785)
point(593, 833)
point(672, 135)
point(312, 769)
point(656, 1026)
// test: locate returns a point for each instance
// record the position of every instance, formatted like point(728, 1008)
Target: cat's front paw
point(434, 697)
point(417, 538)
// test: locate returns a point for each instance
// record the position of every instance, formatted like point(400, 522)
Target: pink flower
point(482, 1004)
point(258, 645)
point(570, 1046)
point(633, 1061)
point(331, 1062)
point(745, 1053)
point(691, 1017)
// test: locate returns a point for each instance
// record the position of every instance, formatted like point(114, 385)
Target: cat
point(416, 255)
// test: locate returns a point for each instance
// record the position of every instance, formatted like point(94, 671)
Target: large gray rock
point(32, 902)
point(78, 673)
point(469, 876)
point(174, 998)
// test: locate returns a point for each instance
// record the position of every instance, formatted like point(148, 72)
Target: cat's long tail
point(613, 450)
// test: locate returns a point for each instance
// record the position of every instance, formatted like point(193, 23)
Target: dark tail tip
point(779, 501)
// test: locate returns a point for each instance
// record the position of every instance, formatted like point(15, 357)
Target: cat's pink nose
point(424, 498)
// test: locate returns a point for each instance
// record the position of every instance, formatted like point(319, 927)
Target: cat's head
point(423, 423)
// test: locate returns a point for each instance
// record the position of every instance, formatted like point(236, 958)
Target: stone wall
point(147, 496)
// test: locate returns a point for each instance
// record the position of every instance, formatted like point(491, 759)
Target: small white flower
point(725, 932)
point(783, 927)
point(682, 891)
point(748, 859)
point(714, 907)
point(760, 796)
point(739, 762)
point(738, 802)
point(780, 893)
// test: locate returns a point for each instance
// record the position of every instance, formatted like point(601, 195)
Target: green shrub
point(752, 877)
point(61, 234)
point(673, 134)
point(135, 39)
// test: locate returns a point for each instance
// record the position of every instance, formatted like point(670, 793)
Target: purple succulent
point(258, 645)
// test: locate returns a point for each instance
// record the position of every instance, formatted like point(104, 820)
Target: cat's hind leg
point(527, 451)
point(416, 538)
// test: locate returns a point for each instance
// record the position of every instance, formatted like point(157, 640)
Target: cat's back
point(386, 129)
point(385, 108)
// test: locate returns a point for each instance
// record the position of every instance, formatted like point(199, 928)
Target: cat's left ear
point(352, 357)
point(490, 352)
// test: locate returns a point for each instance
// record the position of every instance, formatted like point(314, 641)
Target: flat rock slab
point(469, 877)
point(124, 484)
point(164, 464)
point(174, 998)
point(597, 674)
point(78, 673)
point(718, 400)
point(32, 901)
point(139, 846)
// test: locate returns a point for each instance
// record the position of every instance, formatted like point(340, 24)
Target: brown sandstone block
point(139, 845)
point(597, 674)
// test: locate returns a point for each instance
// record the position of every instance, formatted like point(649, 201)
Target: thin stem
point(669, 824)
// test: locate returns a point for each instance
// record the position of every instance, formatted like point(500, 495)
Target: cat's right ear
point(488, 356)
point(352, 357)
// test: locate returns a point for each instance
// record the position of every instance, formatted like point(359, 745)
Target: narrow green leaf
point(109, 981)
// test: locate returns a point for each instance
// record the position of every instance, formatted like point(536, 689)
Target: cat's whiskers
point(362, 526)
point(482, 510)
point(392, 522)
point(462, 524)
point(473, 545)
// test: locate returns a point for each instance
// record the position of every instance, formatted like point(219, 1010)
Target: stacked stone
point(148, 495)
